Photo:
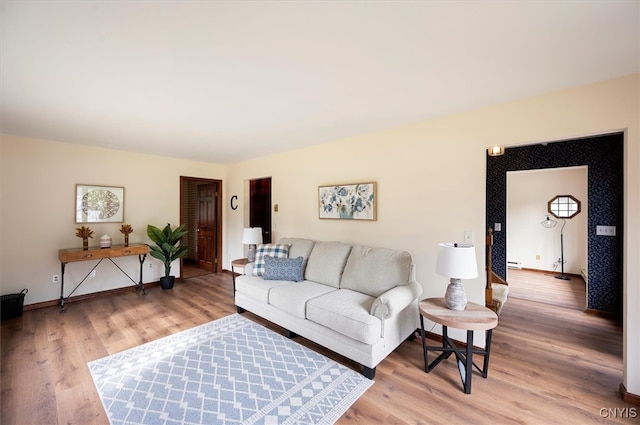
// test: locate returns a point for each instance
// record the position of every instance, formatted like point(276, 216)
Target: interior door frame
point(604, 156)
point(584, 211)
point(260, 206)
point(217, 240)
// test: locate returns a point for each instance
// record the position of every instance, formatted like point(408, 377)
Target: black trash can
point(12, 305)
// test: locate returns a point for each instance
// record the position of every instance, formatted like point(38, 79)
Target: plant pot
point(167, 282)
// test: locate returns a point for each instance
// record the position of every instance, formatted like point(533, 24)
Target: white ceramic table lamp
point(457, 262)
point(252, 236)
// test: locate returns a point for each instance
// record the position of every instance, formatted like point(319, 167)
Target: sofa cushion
point(373, 271)
point(298, 247)
point(257, 288)
point(283, 268)
point(273, 250)
point(346, 312)
point(326, 263)
point(293, 297)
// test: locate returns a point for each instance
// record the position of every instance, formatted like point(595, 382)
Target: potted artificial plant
point(166, 249)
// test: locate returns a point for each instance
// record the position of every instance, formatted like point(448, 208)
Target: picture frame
point(355, 201)
point(99, 204)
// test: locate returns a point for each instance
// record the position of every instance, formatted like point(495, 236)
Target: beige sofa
point(358, 301)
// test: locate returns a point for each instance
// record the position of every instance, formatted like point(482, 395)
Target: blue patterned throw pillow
point(283, 269)
point(272, 250)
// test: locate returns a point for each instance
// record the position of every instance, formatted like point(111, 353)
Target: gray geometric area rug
point(229, 371)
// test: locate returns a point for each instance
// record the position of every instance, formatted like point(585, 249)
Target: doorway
point(260, 206)
point(537, 246)
point(201, 213)
point(604, 157)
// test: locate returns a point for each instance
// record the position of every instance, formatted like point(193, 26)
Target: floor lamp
point(548, 223)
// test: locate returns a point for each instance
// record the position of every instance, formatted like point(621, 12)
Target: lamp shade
point(252, 236)
point(548, 223)
point(457, 261)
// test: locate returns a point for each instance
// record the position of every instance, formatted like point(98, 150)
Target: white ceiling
point(226, 81)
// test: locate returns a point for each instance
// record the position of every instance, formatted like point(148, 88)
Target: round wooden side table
point(240, 262)
point(474, 317)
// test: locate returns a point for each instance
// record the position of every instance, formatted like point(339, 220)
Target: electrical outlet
point(150, 265)
point(55, 278)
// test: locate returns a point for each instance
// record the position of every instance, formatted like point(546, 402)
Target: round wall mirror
point(564, 206)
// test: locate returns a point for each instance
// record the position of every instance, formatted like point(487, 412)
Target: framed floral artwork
point(348, 201)
point(99, 204)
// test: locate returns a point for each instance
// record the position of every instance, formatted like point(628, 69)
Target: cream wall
point(431, 183)
point(430, 177)
point(528, 194)
point(38, 195)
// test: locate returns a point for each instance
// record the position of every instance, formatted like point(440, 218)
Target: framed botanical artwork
point(99, 204)
point(348, 201)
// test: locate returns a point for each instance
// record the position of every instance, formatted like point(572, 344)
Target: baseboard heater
point(514, 265)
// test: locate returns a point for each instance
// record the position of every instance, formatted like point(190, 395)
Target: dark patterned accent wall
point(604, 157)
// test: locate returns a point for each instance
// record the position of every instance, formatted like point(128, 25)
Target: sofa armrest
point(248, 268)
point(395, 300)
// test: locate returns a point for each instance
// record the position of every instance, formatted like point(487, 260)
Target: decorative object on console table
point(85, 233)
point(167, 249)
point(105, 241)
point(99, 204)
point(351, 201)
point(457, 262)
point(252, 236)
point(126, 229)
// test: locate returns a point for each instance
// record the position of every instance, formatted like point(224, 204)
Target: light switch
point(497, 227)
point(606, 230)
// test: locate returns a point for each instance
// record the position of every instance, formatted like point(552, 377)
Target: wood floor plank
point(550, 361)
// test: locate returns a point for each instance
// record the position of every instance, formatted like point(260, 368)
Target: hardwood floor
point(543, 287)
point(190, 270)
point(549, 363)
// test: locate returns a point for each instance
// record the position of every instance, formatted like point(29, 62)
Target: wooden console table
point(78, 254)
point(475, 317)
